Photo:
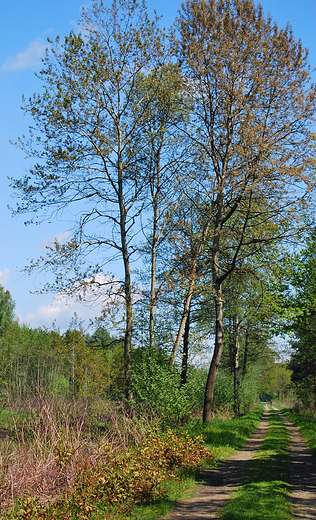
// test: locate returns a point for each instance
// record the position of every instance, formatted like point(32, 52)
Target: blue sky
point(24, 28)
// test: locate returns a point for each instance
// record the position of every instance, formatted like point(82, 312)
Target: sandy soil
point(211, 495)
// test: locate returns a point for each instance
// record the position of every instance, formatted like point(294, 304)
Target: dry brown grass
point(48, 439)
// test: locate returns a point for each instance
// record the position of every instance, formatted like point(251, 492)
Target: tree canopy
point(204, 140)
point(252, 119)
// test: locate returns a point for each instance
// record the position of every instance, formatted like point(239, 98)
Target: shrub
point(158, 388)
point(121, 479)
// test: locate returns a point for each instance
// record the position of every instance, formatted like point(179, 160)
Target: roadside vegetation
point(64, 460)
point(73, 447)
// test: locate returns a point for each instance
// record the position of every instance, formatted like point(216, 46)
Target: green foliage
point(6, 319)
point(38, 359)
point(305, 420)
point(248, 390)
point(297, 297)
point(223, 436)
point(30, 359)
point(6, 310)
point(224, 390)
point(158, 387)
point(277, 380)
point(249, 387)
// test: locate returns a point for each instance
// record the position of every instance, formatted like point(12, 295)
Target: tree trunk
point(185, 352)
point(152, 302)
point(219, 314)
point(244, 370)
point(128, 330)
point(236, 368)
point(184, 318)
point(231, 345)
point(217, 354)
point(127, 287)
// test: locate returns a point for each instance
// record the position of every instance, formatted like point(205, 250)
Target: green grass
point(264, 493)
point(224, 437)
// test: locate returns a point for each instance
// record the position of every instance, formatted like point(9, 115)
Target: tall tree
point(88, 139)
point(249, 83)
point(164, 155)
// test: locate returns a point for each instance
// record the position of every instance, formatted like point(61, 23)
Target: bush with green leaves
point(224, 390)
point(249, 388)
point(158, 387)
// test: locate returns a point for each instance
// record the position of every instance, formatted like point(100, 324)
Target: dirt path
point(211, 496)
point(219, 483)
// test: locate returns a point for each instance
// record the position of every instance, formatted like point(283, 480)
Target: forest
point(188, 156)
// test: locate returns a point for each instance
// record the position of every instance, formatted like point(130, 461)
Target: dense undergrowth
point(123, 480)
point(65, 461)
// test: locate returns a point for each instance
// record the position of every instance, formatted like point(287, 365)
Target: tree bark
point(218, 349)
point(185, 351)
point(244, 370)
point(219, 314)
point(152, 302)
point(236, 367)
point(127, 287)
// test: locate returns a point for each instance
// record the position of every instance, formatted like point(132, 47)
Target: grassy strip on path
point(265, 490)
point(306, 424)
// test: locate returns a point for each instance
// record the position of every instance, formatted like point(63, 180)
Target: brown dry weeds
point(40, 454)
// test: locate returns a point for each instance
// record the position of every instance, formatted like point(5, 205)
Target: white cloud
point(61, 237)
point(4, 276)
point(28, 59)
point(61, 310)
